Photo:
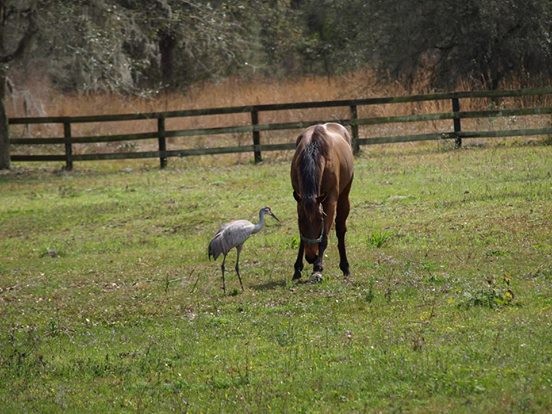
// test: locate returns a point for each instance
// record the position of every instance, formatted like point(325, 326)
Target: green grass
point(108, 302)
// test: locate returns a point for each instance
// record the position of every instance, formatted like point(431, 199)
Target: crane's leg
point(238, 248)
point(222, 268)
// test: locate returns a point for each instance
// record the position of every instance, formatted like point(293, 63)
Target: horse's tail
point(310, 155)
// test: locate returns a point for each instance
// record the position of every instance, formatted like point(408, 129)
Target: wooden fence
point(255, 128)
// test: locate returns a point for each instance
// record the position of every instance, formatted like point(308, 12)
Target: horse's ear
point(321, 198)
point(296, 196)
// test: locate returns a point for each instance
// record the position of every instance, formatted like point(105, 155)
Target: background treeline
point(135, 45)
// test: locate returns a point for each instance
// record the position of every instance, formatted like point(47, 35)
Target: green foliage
point(486, 41)
point(127, 314)
point(128, 46)
point(132, 46)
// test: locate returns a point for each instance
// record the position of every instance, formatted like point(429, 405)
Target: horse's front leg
point(298, 266)
point(318, 265)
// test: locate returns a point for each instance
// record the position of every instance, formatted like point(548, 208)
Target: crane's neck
point(261, 222)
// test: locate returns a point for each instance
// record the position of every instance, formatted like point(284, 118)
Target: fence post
point(354, 129)
point(68, 145)
point(456, 120)
point(162, 141)
point(256, 136)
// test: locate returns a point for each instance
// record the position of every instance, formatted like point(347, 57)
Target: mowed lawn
point(108, 302)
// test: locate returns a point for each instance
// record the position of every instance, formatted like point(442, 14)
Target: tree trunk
point(4, 131)
point(167, 44)
point(5, 59)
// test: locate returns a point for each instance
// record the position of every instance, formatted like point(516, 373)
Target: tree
point(17, 27)
point(337, 34)
point(131, 45)
point(484, 41)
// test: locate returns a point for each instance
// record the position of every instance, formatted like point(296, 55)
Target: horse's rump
point(323, 158)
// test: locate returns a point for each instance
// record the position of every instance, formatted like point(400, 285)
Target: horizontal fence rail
point(255, 128)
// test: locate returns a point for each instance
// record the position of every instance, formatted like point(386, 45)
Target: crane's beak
point(276, 218)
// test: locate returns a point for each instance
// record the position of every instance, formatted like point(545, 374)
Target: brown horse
point(321, 176)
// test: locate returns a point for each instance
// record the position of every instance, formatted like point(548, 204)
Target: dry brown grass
point(35, 97)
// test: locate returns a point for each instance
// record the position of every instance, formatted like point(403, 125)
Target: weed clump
point(378, 238)
point(495, 295)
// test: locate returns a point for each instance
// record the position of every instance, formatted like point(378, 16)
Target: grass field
point(108, 302)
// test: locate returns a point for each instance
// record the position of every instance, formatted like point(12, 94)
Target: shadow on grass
point(273, 284)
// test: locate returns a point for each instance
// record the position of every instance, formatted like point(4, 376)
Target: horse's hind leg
point(298, 266)
point(343, 208)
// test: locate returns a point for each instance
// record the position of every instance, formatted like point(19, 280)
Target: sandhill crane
point(234, 234)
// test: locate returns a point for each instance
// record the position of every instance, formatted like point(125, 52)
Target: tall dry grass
point(35, 96)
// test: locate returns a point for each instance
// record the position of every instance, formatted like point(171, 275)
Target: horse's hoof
point(316, 277)
point(296, 276)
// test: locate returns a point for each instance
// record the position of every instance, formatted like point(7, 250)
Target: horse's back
point(336, 132)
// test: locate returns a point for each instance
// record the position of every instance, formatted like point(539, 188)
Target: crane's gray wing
point(228, 236)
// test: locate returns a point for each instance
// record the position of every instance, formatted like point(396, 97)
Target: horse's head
point(311, 224)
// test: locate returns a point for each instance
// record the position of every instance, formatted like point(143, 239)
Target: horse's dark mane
point(309, 164)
